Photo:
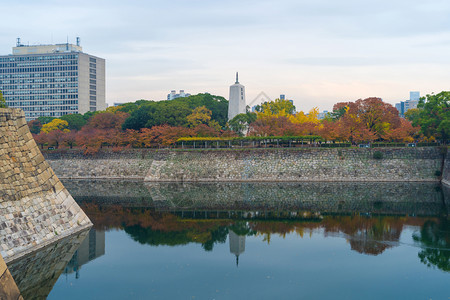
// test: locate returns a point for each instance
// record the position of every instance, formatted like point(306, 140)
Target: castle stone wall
point(397, 164)
point(35, 208)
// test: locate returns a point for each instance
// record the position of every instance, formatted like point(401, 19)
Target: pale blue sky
point(317, 52)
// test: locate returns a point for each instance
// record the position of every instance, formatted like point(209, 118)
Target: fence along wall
point(396, 164)
point(35, 208)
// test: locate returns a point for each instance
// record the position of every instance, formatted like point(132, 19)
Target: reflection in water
point(415, 199)
point(434, 237)
point(366, 234)
point(36, 274)
point(371, 217)
point(237, 245)
point(92, 247)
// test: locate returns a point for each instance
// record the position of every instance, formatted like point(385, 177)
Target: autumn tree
point(107, 120)
point(55, 124)
point(40, 139)
point(202, 115)
point(363, 120)
point(277, 107)
point(2, 100)
point(90, 139)
point(56, 137)
point(301, 117)
point(163, 135)
point(204, 130)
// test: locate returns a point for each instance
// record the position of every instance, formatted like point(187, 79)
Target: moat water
point(249, 241)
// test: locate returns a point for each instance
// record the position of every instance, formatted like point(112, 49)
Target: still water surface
point(262, 241)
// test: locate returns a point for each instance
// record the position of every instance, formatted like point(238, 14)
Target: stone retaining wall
point(397, 164)
point(446, 172)
point(35, 208)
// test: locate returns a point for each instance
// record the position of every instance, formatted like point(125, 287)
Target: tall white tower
point(236, 104)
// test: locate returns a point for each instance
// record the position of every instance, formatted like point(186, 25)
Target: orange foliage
point(281, 126)
point(107, 120)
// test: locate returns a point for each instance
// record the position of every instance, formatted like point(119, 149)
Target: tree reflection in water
point(366, 234)
point(434, 238)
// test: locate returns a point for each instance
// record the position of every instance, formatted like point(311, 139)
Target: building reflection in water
point(237, 244)
point(91, 248)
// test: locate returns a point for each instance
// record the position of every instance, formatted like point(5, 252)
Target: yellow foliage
point(113, 109)
point(202, 115)
point(278, 108)
point(55, 124)
point(301, 117)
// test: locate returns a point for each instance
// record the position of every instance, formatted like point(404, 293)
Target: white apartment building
point(52, 80)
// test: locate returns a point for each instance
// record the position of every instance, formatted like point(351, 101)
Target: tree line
point(149, 124)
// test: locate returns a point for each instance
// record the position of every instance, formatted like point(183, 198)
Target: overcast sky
point(317, 52)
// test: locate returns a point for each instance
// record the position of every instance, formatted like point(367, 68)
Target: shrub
point(378, 155)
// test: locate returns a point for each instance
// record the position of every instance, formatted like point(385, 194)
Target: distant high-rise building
point(52, 80)
point(404, 106)
point(173, 95)
point(282, 97)
point(414, 96)
point(236, 104)
point(322, 115)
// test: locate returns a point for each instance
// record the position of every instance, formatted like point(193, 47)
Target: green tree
point(147, 114)
point(2, 100)
point(35, 126)
point(88, 115)
point(169, 112)
point(138, 117)
point(433, 115)
point(240, 123)
point(76, 121)
point(45, 120)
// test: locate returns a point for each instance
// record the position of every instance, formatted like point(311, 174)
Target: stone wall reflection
point(424, 199)
point(36, 274)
